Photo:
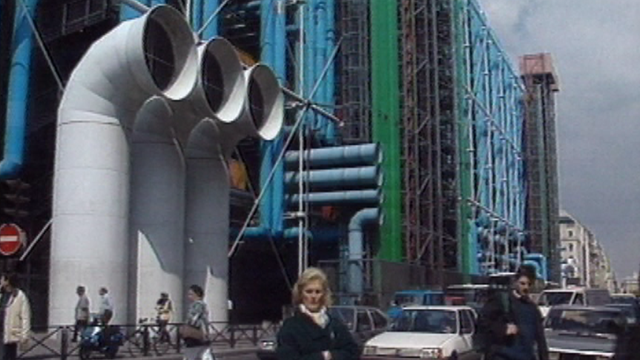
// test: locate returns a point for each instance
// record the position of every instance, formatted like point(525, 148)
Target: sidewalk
point(50, 349)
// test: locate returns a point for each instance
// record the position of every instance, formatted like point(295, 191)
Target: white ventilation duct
point(157, 207)
point(208, 146)
point(151, 55)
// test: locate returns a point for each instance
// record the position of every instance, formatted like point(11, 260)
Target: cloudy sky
point(596, 49)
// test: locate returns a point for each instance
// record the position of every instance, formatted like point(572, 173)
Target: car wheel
point(454, 356)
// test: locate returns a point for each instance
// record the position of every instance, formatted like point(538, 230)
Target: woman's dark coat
point(300, 338)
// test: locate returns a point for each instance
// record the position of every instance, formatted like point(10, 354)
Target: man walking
point(82, 312)
point(512, 324)
point(105, 311)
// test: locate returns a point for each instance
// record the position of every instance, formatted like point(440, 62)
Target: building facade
point(584, 261)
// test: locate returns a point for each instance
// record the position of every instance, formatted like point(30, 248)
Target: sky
point(596, 49)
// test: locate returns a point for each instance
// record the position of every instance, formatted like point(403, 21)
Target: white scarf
point(319, 317)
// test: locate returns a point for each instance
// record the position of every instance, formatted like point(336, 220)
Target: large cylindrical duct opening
point(115, 77)
point(157, 213)
point(263, 110)
point(265, 101)
point(207, 219)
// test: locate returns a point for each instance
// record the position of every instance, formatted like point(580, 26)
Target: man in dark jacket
point(511, 323)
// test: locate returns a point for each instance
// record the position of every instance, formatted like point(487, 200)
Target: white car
point(427, 332)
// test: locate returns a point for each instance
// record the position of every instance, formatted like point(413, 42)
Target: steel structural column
point(466, 228)
point(385, 118)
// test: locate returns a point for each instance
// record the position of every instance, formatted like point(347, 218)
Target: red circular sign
point(11, 239)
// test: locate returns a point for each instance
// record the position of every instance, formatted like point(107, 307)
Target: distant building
point(630, 284)
point(540, 158)
point(583, 259)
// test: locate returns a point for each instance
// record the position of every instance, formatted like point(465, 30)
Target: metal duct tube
point(345, 177)
point(263, 113)
point(18, 93)
point(369, 197)
point(157, 212)
point(356, 246)
point(340, 156)
point(207, 219)
point(151, 55)
point(227, 105)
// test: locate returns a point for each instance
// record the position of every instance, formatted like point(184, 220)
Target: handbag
point(191, 332)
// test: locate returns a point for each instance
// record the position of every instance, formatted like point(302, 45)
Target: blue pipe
point(369, 197)
point(128, 13)
point(354, 155)
point(280, 69)
point(196, 13)
point(332, 136)
point(541, 260)
point(333, 178)
point(320, 12)
point(309, 50)
point(211, 31)
point(356, 247)
point(18, 92)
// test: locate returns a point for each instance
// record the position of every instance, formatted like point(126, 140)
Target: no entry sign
point(11, 239)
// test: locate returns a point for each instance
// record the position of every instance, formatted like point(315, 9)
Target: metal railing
point(142, 340)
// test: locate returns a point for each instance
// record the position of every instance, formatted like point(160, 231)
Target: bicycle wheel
point(162, 346)
point(135, 344)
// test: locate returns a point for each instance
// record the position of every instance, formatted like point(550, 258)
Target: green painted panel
point(386, 119)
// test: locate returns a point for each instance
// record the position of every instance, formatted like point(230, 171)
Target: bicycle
point(156, 342)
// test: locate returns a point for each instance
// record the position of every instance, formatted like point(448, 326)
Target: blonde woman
point(311, 334)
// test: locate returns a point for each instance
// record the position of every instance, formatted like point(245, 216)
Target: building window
point(570, 247)
point(570, 233)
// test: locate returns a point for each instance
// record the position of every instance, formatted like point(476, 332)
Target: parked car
point(630, 311)
point(573, 296)
point(405, 298)
point(582, 332)
point(436, 332)
point(363, 322)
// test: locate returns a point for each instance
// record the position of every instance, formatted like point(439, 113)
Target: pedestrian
point(82, 312)
point(311, 333)
point(511, 323)
point(16, 317)
point(164, 309)
point(105, 312)
point(195, 331)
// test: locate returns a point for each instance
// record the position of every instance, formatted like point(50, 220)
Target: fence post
point(64, 343)
point(255, 335)
point(232, 338)
point(178, 339)
point(145, 340)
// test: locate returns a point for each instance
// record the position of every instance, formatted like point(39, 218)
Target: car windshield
point(345, 314)
point(407, 299)
point(427, 321)
point(555, 298)
point(623, 300)
point(582, 320)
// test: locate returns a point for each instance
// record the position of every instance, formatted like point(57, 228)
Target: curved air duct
point(151, 55)
point(222, 118)
point(356, 246)
point(157, 208)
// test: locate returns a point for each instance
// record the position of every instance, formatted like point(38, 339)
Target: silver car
point(583, 333)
